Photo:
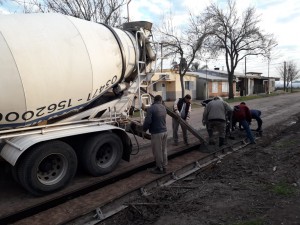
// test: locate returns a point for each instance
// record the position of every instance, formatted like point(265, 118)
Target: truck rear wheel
point(14, 173)
point(47, 167)
point(102, 153)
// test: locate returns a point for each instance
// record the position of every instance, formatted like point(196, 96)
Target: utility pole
point(284, 75)
point(269, 75)
point(161, 55)
point(291, 78)
point(245, 82)
point(206, 81)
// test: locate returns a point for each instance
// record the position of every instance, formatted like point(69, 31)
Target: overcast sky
point(280, 17)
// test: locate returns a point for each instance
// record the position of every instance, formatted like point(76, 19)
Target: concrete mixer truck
point(66, 89)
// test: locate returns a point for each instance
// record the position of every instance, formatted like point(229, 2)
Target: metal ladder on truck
point(145, 99)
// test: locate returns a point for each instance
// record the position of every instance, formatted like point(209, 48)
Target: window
point(273, 83)
point(224, 86)
point(187, 85)
point(214, 87)
point(154, 87)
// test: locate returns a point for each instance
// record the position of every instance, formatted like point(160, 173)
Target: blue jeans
point(245, 125)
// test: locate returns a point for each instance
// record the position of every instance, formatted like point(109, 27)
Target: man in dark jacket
point(242, 115)
point(182, 107)
point(155, 121)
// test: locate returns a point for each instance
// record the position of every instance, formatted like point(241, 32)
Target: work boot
point(157, 170)
point(211, 142)
point(207, 148)
point(221, 141)
point(186, 142)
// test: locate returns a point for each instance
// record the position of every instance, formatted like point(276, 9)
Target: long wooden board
point(181, 121)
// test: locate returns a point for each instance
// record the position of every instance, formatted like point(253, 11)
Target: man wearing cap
point(214, 117)
point(155, 122)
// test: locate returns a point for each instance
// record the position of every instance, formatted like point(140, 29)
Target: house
point(203, 84)
point(254, 83)
point(167, 84)
point(211, 83)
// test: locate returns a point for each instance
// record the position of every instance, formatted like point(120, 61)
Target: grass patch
point(285, 144)
point(283, 189)
point(195, 106)
point(250, 97)
point(251, 222)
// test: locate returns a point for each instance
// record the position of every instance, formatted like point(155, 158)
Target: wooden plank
point(184, 124)
point(181, 121)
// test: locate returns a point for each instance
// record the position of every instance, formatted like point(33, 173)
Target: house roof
point(208, 76)
point(219, 74)
point(266, 78)
point(254, 73)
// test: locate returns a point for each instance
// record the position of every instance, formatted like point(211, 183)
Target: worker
point(214, 118)
point(155, 121)
point(242, 115)
point(255, 114)
point(182, 107)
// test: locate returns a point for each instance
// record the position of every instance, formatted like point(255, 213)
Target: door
point(163, 91)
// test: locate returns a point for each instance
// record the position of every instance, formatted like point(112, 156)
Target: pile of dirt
point(257, 185)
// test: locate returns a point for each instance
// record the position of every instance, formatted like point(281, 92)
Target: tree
point(195, 66)
point(100, 11)
point(292, 73)
point(237, 36)
point(185, 44)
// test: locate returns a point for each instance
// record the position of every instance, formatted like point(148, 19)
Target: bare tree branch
point(237, 37)
point(292, 73)
point(185, 45)
point(100, 11)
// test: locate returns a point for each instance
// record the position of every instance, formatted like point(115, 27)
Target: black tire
point(14, 173)
point(47, 167)
point(102, 153)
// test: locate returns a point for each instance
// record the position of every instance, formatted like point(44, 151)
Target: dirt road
point(259, 185)
point(275, 109)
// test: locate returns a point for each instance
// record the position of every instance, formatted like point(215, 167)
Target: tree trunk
point(182, 85)
point(230, 83)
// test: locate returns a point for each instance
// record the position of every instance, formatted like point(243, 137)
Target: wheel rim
point(106, 155)
point(52, 169)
